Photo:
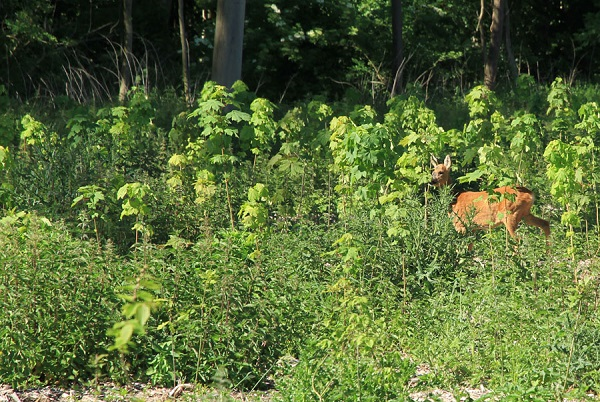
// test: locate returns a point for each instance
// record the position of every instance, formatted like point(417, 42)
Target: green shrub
point(354, 353)
point(57, 303)
point(233, 310)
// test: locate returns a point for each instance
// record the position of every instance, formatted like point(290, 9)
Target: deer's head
point(440, 176)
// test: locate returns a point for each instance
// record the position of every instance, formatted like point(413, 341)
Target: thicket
point(242, 242)
point(74, 49)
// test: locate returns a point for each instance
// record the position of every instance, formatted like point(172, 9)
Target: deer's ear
point(433, 160)
point(448, 161)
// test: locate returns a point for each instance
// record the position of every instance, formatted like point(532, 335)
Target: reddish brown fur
point(482, 210)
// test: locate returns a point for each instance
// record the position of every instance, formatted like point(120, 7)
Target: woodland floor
point(188, 392)
point(133, 393)
point(140, 393)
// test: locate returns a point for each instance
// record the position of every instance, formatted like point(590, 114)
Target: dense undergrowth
point(255, 243)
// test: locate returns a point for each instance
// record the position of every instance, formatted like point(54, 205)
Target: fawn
point(483, 210)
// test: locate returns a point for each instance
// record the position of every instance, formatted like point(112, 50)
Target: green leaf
point(257, 193)
point(570, 218)
point(177, 242)
point(178, 160)
point(274, 160)
point(124, 335)
point(142, 313)
point(122, 191)
point(409, 139)
point(470, 177)
point(210, 105)
point(77, 200)
point(129, 309)
point(237, 116)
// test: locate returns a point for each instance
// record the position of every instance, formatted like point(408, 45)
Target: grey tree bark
point(229, 42)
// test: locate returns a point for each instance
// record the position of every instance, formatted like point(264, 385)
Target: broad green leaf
point(178, 160)
point(142, 313)
point(237, 116)
point(122, 191)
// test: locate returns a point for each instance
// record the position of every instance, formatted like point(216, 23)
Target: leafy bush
point(57, 303)
point(353, 356)
point(232, 311)
point(352, 353)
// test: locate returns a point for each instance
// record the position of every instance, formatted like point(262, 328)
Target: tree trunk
point(491, 62)
point(512, 64)
point(482, 30)
point(184, 54)
point(127, 50)
point(397, 46)
point(229, 41)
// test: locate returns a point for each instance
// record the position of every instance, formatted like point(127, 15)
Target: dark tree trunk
point(491, 62)
point(127, 50)
point(184, 54)
point(481, 30)
point(397, 46)
point(512, 64)
point(229, 41)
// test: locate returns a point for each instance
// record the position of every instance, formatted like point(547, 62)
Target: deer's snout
point(435, 178)
point(439, 176)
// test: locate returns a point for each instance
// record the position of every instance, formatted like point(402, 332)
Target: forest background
point(235, 195)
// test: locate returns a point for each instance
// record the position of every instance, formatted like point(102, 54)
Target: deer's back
point(484, 209)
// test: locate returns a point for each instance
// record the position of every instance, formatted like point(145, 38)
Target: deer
point(506, 206)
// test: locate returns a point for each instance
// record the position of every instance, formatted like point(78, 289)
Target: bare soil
point(133, 393)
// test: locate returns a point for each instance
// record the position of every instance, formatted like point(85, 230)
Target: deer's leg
point(511, 222)
point(458, 225)
point(538, 222)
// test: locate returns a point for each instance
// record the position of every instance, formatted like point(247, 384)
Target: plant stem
point(404, 279)
point(97, 232)
point(299, 213)
point(572, 347)
point(229, 203)
point(228, 196)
